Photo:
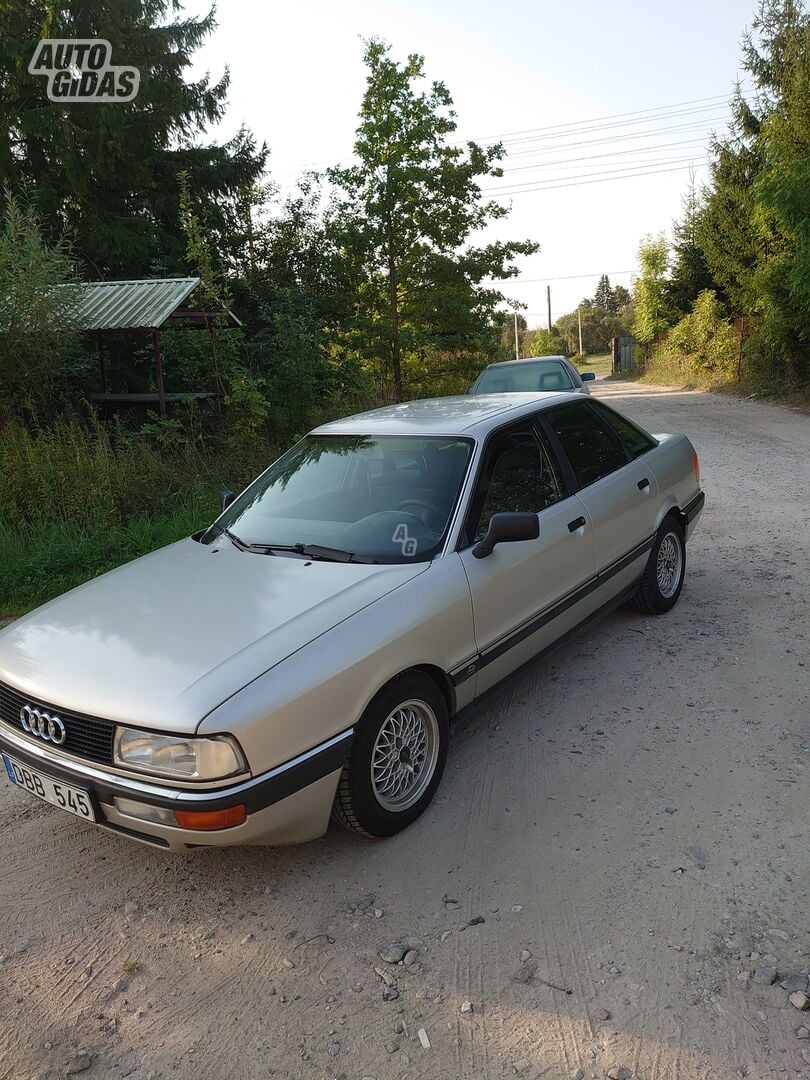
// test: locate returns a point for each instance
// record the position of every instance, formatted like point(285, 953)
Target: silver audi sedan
point(305, 654)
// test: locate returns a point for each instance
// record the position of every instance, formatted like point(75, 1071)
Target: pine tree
point(108, 172)
point(690, 274)
point(604, 296)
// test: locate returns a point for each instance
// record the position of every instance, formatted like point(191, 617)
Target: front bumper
point(289, 804)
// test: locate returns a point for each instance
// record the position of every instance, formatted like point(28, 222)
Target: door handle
point(577, 523)
point(642, 484)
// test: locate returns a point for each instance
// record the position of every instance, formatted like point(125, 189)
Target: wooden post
point(102, 363)
point(159, 373)
point(217, 384)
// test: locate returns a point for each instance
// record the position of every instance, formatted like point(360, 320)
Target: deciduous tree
point(649, 293)
point(407, 211)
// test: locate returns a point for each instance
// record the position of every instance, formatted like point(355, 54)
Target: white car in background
point(533, 374)
point(305, 654)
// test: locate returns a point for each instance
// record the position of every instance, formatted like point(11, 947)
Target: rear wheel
point(397, 757)
point(662, 582)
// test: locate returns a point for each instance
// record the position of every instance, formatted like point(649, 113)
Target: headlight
point(177, 755)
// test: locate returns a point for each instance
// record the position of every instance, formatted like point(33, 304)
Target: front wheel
point(397, 758)
point(661, 585)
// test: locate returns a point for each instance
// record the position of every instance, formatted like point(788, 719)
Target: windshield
point(384, 498)
point(519, 378)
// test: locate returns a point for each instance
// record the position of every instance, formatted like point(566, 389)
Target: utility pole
point(548, 301)
point(579, 321)
point(517, 342)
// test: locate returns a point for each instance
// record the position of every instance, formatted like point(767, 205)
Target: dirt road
point(630, 819)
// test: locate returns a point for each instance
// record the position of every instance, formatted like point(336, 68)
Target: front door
point(523, 594)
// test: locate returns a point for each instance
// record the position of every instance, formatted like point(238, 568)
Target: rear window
point(517, 378)
point(589, 442)
point(634, 438)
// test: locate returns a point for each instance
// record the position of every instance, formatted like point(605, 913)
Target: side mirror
point(507, 528)
point(470, 389)
point(588, 376)
point(226, 497)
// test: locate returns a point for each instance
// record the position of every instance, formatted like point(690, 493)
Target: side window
point(637, 441)
point(518, 474)
point(590, 444)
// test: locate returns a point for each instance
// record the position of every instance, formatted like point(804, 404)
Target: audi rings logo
point(43, 725)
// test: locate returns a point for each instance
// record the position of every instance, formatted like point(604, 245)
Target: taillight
point(696, 466)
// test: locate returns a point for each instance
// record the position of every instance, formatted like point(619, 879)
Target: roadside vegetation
point(727, 304)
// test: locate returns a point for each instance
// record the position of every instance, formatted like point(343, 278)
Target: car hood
point(161, 641)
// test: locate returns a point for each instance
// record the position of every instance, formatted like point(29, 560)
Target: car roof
point(525, 360)
point(463, 415)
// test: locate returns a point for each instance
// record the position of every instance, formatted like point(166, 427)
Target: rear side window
point(589, 442)
point(637, 441)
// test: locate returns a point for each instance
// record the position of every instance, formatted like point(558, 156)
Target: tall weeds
point(76, 501)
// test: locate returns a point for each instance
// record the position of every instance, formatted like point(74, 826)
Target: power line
point(632, 136)
point(587, 127)
point(624, 169)
point(565, 277)
point(660, 112)
point(599, 119)
point(607, 154)
point(603, 180)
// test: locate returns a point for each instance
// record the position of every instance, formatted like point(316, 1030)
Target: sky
point(579, 91)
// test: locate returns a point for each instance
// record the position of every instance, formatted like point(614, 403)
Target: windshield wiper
point(234, 539)
point(315, 551)
point(311, 551)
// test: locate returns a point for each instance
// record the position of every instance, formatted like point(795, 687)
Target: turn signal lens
point(210, 820)
point(696, 465)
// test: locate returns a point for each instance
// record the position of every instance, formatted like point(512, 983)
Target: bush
point(38, 350)
point(702, 349)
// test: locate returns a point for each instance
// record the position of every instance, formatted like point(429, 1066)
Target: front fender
point(324, 687)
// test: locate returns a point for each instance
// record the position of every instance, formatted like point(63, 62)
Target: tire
point(380, 791)
point(661, 585)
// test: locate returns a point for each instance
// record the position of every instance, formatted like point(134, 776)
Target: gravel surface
point(616, 912)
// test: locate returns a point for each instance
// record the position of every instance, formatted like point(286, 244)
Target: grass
point(599, 363)
point(750, 386)
point(76, 502)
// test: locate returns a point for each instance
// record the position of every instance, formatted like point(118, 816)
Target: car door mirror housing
point(507, 528)
point(588, 376)
point(226, 497)
point(470, 389)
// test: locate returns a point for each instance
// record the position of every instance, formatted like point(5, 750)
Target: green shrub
point(701, 350)
point(38, 350)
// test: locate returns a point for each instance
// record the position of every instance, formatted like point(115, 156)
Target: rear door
point(524, 594)
point(615, 483)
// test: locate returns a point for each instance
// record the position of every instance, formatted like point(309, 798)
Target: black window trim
point(586, 404)
point(526, 422)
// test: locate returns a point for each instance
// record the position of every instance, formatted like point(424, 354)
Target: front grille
point(87, 736)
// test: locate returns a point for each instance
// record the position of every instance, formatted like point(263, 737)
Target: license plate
point(72, 799)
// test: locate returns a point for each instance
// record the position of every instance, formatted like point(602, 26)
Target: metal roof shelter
point(145, 307)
